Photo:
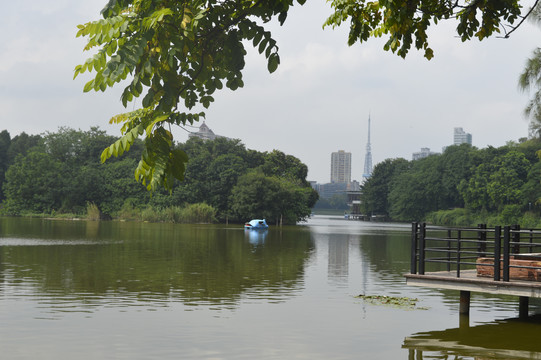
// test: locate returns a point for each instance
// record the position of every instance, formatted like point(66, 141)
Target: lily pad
point(394, 301)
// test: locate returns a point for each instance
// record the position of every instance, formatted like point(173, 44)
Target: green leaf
point(104, 155)
point(274, 61)
point(257, 38)
point(88, 86)
point(262, 45)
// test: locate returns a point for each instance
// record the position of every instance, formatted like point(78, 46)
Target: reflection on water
point(503, 339)
point(339, 259)
point(150, 263)
point(256, 237)
point(145, 291)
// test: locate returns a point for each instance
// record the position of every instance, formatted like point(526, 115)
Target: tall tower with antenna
point(368, 157)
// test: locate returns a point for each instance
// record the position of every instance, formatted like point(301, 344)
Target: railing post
point(516, 238)
point(414, 237)
point(497, 251)
point(458, 237)
point(449, 237)
point(506, 252)
point(481, 240)
point(422, 234)
point(531, 241)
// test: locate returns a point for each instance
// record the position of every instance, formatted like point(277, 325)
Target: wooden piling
point(464, 302)
point(523, 302)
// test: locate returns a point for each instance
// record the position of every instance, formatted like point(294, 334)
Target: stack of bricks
point(485, 267)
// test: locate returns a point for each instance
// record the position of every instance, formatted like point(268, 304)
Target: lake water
point(122, 290)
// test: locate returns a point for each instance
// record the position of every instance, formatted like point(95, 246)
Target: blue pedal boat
point(256, 224)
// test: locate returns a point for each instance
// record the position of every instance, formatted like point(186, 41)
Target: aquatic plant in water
point(394, 301)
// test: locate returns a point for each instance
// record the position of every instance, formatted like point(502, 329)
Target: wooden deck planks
point(469, 281)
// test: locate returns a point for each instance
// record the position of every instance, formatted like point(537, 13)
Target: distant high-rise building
point(205, 133)
point(461, 137)
point(425, 152)
point(368, 157)
point(341, 167)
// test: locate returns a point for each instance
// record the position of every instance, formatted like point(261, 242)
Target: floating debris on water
point(394, 301)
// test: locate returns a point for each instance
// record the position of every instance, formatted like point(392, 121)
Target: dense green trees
point(5, 142)
point(501, 181)
point(61, 172)
point(496, 183)
point(35, 183)
point(377, 189)
point(274, 198)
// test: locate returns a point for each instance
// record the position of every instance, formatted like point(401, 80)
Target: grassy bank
point(189, 214)
point(200, 213)
point(328, 212)
point(510, 215)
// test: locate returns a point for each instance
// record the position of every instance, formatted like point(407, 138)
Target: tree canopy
point(177, 54)
point(486, 180)
point(405, 22)
point(61, 173)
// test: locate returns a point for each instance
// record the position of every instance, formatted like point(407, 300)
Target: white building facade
point(205, 133)
point(341, 167)
point(461, 137)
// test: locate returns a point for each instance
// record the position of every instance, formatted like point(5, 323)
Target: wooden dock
point(477, 260)
point(469, 281)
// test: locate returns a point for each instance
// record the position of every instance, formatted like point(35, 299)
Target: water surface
point(121, 290)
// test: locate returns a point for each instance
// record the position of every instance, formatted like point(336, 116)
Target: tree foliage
point(497, 183)
point(405, 22)
point(63, 173)
point(60, 172)
point(377, 188)
point(487, 180)
point(35, 183)
point(5, 142)
point(272, 198)
point(175, 55)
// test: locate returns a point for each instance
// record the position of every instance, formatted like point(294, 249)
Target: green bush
point(198, 213)
point(510, 215)
point(171, 214)
point(150, 214)
point(453, 217)
point(529, 221)
point(129, 211)
point(92, 211)
point(190, 214)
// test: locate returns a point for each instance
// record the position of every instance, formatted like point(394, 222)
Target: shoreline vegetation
point(467, 218)
point(60, 175)
point(462, 186)
point(200, 213)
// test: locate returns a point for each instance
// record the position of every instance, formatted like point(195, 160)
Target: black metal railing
point(462, 248)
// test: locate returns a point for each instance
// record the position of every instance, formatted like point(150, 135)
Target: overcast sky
point(317, 102)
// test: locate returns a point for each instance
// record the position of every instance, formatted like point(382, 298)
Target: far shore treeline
point(463, 186)
point(60, 174)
